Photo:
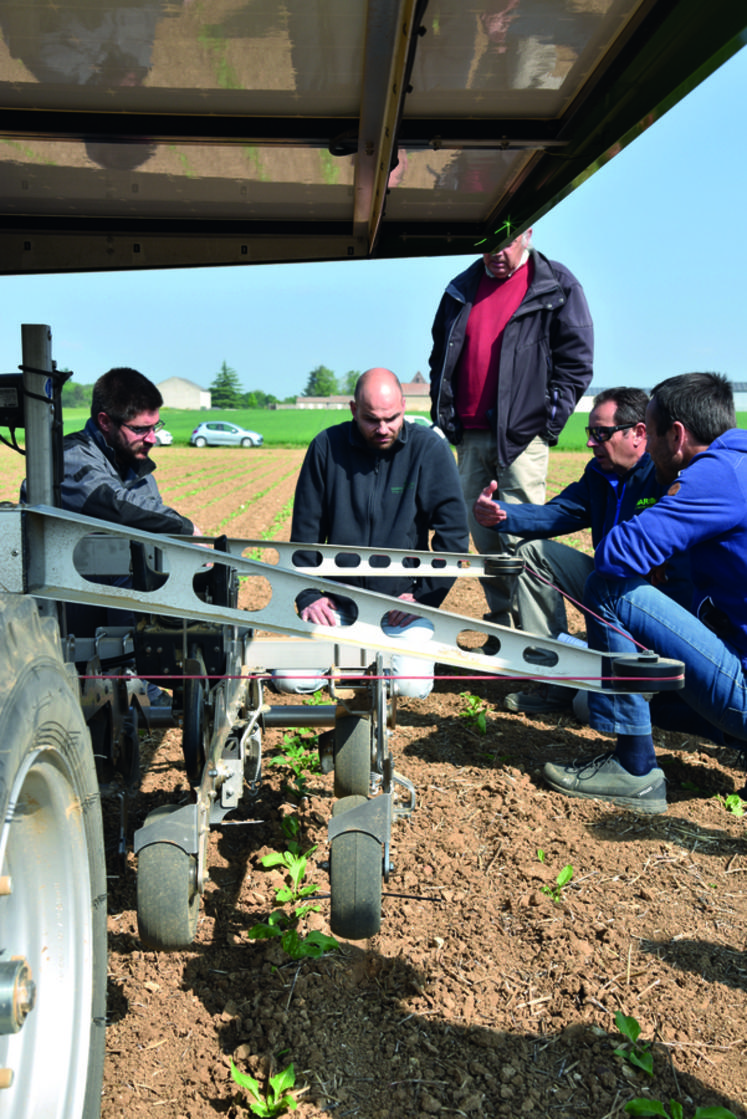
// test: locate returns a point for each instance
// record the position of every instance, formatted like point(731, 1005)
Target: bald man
point(376, 481)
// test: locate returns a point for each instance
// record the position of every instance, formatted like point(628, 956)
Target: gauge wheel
point(52, 879)
point(355, 880)
point(194, 729)
point(352, 756)
point(168, 901)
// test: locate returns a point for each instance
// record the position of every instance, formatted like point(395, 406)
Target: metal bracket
point(180, 827)
point(373, 818)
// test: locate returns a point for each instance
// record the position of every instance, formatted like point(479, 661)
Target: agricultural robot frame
point(71, 704)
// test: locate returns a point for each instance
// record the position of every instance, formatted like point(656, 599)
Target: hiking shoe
point(603, 778)
point(546, 699)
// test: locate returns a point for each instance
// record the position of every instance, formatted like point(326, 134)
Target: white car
point(423, 421)
point(220, 433)
point(164, 438)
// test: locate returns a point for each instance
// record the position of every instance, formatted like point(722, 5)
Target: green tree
point(257, 398)
point(225, 391)
point(349, 380)
point(75, 395)
point(321, 382)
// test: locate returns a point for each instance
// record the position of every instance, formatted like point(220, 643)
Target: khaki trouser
point(524, 480)
point(541, 609)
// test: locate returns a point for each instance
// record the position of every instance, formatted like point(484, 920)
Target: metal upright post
point(38, 412)
point(38, 419)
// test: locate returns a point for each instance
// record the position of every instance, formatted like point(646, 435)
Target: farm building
point(417, 397)
point(178, 392)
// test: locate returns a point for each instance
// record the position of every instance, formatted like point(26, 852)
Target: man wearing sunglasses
point(108, 468)
point(700, 456)
point(618, 483)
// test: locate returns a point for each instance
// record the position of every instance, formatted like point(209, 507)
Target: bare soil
point(482, 995)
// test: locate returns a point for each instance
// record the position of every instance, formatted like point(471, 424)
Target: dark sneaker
point(157, 697)
point(546, 699)
point(603, 778)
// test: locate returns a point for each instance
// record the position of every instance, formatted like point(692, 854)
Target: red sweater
point(477, 372)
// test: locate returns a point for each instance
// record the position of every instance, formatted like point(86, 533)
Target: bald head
point(375, 381)
point(378, 408)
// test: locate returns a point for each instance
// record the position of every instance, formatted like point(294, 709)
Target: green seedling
point(295, 864)
point(656, 1107)
point(283, 924)
point(733, 803)
point(475, 712)
point(316, 700)
point(540, 854)
point(301, 755)
point(278, 1098)
point(636, 1052)
point(562, 880)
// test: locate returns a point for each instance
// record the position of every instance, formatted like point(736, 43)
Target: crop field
point(516, 923)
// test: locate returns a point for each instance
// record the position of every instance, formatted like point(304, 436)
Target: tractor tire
point(355, 880)
point(352, 747)
point(168, 901)
point(52, 879)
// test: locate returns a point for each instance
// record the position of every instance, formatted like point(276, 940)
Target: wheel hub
point(17, 994)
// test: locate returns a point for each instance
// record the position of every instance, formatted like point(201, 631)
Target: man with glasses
point(617, 484)
point(108, 474)
point(108, 469)
point(700, 457)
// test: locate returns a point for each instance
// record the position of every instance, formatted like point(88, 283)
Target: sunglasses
point(141, 430)
point(602, 434)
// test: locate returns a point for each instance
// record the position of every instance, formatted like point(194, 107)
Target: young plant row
point(255, 497)
point(292, 903)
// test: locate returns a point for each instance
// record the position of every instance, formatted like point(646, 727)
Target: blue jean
point(713, 702)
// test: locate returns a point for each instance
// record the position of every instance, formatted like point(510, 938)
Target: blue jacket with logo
point(702, 515)
point(348, 493)
point(598, 500)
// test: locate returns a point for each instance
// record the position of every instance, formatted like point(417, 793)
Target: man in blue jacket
point(702, 456)
point(513, 346)
point(376, 481)
point(617, 483)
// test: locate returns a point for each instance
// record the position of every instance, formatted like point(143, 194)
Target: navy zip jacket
point(348, 493)
point(600, 500)
point(546, 360)
point(704, 515)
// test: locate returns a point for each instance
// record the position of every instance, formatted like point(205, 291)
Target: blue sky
point(657, 238)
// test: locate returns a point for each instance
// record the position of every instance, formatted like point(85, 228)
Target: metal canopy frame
point(149, 133)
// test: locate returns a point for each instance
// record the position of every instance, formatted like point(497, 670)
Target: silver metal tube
point(290, 716)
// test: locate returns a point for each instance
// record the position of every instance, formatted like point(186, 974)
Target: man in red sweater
point(512, 355)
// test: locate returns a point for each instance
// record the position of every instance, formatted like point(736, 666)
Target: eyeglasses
point(141, 430)
point(602, 434)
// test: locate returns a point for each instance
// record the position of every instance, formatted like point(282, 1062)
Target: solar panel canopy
point(165, 133)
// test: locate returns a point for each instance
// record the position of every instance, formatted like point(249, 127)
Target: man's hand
point(657, 576)
point(323, 612)
point(485, 511)
point(399, 618)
